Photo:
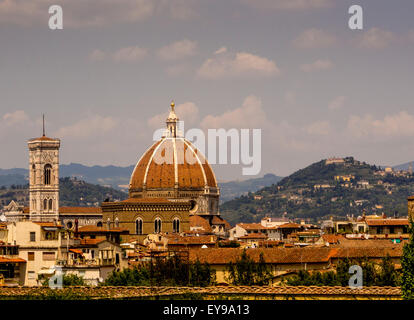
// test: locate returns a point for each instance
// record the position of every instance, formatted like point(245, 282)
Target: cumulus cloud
point(320, 128)
point(187, 112)
point(127, 54)
point(317, 65)
point(15, 118)
point(314, 38)
point(91, 126)
point(289, 4)
point(337, 103)
point(178, 50)
point(224, 64)
point(94, 13)
point(130, 54)
point(249, 115)
point(396, 125)
point(375, 38)
point(97, 55)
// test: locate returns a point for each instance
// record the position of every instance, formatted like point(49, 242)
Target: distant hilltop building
point(334, 161)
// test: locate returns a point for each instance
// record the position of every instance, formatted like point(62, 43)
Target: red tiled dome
point(172, 161)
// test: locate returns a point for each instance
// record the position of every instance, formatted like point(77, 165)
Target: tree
point(407, 264)
point(246, 272)
point(387, 275)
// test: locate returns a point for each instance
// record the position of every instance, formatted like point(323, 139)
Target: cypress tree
point(407, 264)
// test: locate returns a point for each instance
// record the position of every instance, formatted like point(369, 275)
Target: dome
point(172, 163)
point(173, 168)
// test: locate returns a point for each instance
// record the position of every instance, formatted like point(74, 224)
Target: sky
point(291, 68)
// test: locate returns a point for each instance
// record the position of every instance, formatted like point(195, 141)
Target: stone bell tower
point(44, 178)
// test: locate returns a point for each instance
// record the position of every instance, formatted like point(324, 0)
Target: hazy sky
point(290, 67)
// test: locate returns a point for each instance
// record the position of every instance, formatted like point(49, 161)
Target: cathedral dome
point(172, 162)
point(171, 167)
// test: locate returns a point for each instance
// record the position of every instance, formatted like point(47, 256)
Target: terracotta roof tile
point(387, 222)
point(11, 260)
point(199, 224)
point(271, 255)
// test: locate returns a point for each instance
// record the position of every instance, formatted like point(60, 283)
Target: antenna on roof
point(43, 124)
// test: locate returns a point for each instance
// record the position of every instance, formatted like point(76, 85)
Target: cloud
point(178, 50)
point(177, 70)
point(318, 65)
point(314, 38)
point(375, 38)
point(91, 126)
point(289, 4)
point(187, 112)
point(97, 55)
point(320, 128)
point(15, 118)
point(337, 103)
point(127, 54)
point(241, 64)
point(249, 115)
point(94, 13)
point(391, 126)
point(130, 54)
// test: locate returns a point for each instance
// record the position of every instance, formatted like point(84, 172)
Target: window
point(32, 236)
point(45, 205)
point(138, 226)
point(31, 275)
point(157, 225)
point(47, 174)
point(30, 256)
point(48, 256)
point(34, 174)
point(176, 225)
point(50, 204)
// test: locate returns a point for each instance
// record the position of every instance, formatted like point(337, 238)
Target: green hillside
point(313, 193)
point(233, 189)
point(73, 192)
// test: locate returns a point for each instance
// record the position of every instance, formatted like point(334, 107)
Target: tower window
point(47, 174)
point(50, 204)
point(157, 225)
point(34, 174)
point(176, 225)
point(138, 226)
point(45, 205)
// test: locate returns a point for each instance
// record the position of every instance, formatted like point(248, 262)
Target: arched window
point(45, 205)
point(47, 174)
point(176, 225)
point(138, 226)
point(50, 204)
point(34, 173)
point(157, 225)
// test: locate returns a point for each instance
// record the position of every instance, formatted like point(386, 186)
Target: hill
point(314, 193)
point(118, 178)
point(73, 192)
point(234, 189)
point(110, 176)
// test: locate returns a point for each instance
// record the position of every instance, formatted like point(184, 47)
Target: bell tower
point(44, 178)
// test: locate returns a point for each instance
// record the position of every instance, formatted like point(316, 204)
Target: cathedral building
point(171, 182)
